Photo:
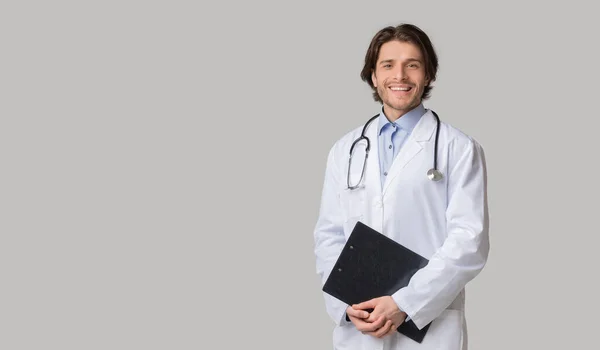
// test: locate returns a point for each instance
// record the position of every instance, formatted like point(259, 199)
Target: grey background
point(162, 164)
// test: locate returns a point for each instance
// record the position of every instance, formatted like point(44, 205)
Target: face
point(399, 77)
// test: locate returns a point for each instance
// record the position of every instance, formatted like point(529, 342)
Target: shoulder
point(461, 148)
point(457, 139)
point(341, 146)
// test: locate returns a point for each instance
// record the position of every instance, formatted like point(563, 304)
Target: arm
point(465, 250)
point(329, 236)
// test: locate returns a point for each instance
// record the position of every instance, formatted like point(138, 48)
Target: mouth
point(400, 90)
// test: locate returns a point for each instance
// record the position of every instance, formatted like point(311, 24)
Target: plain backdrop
point(162, 162)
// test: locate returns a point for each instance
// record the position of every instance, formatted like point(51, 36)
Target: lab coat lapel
point(372, 173)
point(413, 145)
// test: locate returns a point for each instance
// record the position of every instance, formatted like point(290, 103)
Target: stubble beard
point(398, 106)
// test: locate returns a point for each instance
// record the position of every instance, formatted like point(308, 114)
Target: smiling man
point(390, 187)
point(399, 77)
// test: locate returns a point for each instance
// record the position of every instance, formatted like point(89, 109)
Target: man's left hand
point(387, 307)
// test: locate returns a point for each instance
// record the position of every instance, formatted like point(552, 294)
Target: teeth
point(400, 89)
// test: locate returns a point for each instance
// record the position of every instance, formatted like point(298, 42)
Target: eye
point(387, 65)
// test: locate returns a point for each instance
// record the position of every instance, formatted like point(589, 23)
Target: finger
point(392, 329)
point(360, 324)
point(367, 327)
point(377, 332)
point(383, 330)
point(357, 313)
point(373, 316)
point(369, 304)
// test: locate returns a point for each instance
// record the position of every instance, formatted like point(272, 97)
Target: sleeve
point(329, 236)
point(465, 250)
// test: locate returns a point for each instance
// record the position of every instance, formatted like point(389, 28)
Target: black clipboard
point(372, 265)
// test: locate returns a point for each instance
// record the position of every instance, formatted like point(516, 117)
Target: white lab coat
point(445, 222)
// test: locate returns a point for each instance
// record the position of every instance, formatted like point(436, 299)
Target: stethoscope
point(433, 174)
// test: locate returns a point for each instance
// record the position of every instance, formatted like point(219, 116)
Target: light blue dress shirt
point(391, 138)
point(392, 135)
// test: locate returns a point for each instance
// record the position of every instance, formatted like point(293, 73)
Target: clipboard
point(372, 265)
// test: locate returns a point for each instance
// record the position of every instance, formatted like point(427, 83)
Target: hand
point(382, 307)
point(359, 319)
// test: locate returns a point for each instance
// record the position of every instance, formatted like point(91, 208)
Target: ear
point(373, 78)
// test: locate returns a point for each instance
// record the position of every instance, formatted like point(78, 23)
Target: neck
point(393, 114)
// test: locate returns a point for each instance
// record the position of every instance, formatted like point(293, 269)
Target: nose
point(400, 73)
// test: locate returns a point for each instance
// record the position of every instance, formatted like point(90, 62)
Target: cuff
point(345, 320)
point(401, 306)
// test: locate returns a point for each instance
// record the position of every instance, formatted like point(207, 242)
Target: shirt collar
point(406, 122)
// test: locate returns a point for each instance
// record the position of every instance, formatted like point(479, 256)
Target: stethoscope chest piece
point(434, 175)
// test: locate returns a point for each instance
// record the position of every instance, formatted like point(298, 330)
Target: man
point(445, 221)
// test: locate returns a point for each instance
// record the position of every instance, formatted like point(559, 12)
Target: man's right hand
point(359, 319)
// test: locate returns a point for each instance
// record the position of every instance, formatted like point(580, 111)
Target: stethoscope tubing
point(434, 174)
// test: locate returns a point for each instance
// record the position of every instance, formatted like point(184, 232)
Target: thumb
point(357, 313)
point(369, 304)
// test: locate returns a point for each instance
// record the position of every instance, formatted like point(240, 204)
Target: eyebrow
point(407, 60)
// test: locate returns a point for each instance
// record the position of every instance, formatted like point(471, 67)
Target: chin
point(403, 106)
